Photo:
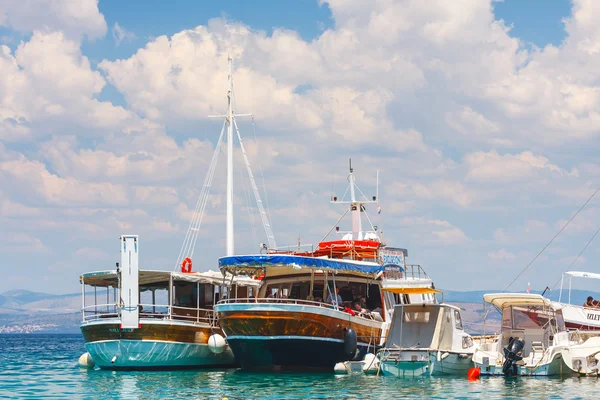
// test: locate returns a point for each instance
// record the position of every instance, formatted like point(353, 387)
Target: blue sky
point(482, 120)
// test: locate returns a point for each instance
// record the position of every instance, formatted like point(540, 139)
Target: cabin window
point(416, 317)
point(457, 320)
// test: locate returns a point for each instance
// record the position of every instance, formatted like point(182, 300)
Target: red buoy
point(474, 373)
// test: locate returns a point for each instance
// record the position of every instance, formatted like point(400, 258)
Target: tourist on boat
point(336, 299)
point(591, 303)
point(359, 310)
point(348, 309)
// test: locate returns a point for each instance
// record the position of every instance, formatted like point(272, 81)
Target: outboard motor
point(511, 356)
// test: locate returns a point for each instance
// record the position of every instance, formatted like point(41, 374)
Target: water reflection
point(45, 366)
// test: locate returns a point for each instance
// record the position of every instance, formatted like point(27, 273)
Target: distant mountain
point(476, 296)
point(19, 297)
point(27, 311)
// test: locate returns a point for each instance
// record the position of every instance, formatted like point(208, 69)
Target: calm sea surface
point(43, 366)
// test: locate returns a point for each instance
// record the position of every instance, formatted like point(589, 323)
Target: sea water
point(45, 366)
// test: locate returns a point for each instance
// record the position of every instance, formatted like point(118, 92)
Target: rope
point(261, 209)
point(262, 177)
point(552, 240)
point(578, 255)
point(250, 214)
point(189, 243)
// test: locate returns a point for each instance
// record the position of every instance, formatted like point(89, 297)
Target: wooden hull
point(155, 345)
point(292, 336)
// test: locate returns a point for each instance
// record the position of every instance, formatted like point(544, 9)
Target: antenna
point(350, 160)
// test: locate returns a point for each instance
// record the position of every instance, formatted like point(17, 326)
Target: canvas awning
point(297, 262)
point(502, 300)
point(581, 274)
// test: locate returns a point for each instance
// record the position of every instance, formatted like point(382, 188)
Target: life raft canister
point(186, 265)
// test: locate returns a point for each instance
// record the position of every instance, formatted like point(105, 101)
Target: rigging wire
point(262, 177)
point(551, 240)
point(248, 207)
point(189, 243)
point(259, 203)
point(578, 255)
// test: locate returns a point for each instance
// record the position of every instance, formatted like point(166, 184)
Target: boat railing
point(292, 249)
point(152, 311)
point(277, 300)
point(411, 271)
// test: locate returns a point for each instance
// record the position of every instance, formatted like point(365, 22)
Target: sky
point(480, 116)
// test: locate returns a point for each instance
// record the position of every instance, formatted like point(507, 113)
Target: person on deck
point(358, 310)
point(336, 299)
point(590, 303)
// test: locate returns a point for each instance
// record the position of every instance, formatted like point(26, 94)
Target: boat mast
point(355, 207)
point(229, 118)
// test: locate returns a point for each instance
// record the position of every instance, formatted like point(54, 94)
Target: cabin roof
point(502, 300)
point(148, 277)
point(251, 263)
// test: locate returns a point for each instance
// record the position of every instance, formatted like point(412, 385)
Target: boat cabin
point(161, 294)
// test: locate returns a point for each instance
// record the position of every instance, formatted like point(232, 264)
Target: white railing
point(152, 311)
point(411, 271)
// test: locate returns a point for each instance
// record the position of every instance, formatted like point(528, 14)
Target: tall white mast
point(355, 207)
point(189, 243)
point(229, 118)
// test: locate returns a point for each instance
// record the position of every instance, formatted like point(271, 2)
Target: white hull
point(552, 367)
point(582, 318)
point(428, 363)
point(583, 358)
point(137, 354)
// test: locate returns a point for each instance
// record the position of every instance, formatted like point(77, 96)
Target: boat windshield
point(531, 317)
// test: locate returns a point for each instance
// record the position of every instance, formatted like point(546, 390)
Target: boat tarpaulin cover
point(581, 274)
point(268, 260)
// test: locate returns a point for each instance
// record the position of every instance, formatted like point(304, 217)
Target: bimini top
point(148, 277)
point(502, 300)
point(581, 274)
point(255, 262)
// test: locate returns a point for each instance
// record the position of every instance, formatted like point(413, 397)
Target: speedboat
point(426, 339)
point(531, 340)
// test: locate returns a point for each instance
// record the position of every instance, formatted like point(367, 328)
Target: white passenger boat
point(578, 316)
point(142, 319)
point(426, 339)
point(531, 338)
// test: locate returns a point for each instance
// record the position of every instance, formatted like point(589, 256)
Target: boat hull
point(153, 346)
point(292, 336)
point(583, 359)
point(553, 367)
point(581, 318)
point(291, 353)
point(428, 363)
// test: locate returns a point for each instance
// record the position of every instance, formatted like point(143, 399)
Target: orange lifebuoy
point(260, 277)
point(186, 265)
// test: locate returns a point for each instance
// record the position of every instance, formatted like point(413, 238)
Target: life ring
point(186, 265)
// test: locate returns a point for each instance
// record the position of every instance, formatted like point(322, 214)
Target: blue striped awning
point(269, 260)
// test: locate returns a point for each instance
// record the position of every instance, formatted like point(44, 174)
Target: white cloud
point(493, 167)
point(120, 34)
point(75, 18)
point(501, 255)
point(435, 231)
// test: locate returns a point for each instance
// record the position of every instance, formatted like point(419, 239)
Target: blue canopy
point(265, 260)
